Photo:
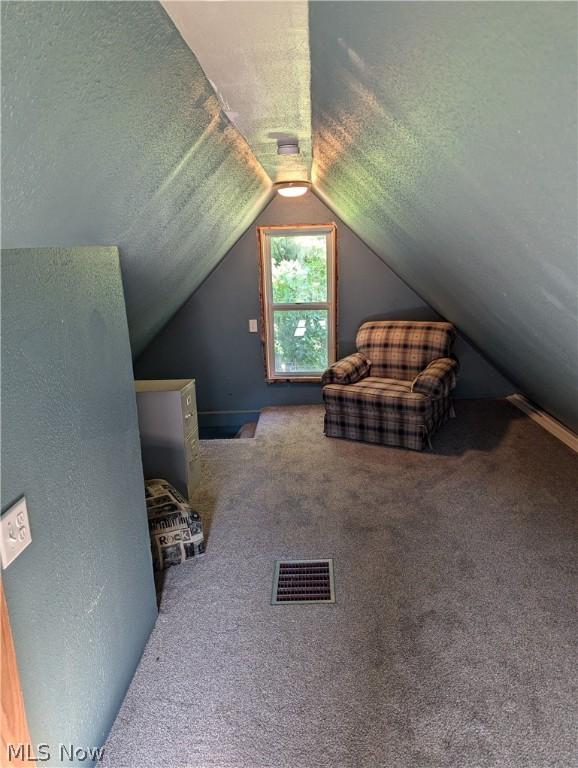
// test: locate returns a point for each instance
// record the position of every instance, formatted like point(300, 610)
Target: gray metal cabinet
point(169, 432)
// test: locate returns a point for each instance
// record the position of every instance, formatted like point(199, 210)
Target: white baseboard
point(546, 421)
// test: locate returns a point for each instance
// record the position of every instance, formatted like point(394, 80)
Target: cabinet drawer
point(189, 408)
point(189, 399)
point(190, 424)
point(193, 463)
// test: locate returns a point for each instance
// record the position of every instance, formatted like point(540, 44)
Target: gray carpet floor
point(453, 639)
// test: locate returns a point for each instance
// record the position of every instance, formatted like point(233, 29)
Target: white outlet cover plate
point(15, 532)
point(252, 326)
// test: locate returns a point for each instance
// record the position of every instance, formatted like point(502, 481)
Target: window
point(298, 290)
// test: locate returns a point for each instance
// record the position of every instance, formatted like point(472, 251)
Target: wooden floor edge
point(14, 734)
point(547, 422)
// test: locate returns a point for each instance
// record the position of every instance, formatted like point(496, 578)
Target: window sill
point(295, 379)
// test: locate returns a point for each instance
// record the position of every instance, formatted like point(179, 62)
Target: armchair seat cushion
point(384, 398)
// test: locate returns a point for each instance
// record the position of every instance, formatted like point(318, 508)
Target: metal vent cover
point(303, 581)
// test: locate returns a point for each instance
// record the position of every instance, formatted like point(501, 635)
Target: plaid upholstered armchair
point(395, 390)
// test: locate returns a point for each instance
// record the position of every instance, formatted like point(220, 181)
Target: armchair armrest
point(438, 378)
point(348, 370)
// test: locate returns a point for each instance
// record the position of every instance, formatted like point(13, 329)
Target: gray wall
point(445, 136)
point(81, 597)
point(208, 338)
point(111, 134)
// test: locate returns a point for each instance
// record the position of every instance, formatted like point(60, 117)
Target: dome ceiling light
point(292, 188)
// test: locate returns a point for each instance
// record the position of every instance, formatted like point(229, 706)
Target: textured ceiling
point(256, 55)
point(113, 135)
point(445, 137)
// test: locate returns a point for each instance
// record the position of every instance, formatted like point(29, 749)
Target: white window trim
point(268, 306)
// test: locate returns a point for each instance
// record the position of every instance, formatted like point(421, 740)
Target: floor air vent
point(303, 581)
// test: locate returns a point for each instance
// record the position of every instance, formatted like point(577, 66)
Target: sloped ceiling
point(445, 137)
point(256, 55)
point(113, 135)
point(443, 134)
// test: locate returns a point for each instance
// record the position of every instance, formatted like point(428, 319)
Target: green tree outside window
point(299, 274)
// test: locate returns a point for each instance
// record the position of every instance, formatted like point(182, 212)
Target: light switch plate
point(15, 532)
point(252, 326)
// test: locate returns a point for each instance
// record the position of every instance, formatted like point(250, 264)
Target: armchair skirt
point(384, 411)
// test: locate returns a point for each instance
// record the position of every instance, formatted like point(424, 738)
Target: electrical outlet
point(252, 326)
point(15, 532)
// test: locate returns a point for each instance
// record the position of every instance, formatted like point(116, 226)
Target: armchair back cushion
point(402, 349)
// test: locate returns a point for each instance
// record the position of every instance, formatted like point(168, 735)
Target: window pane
point(299, 268)
point(301, 340)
